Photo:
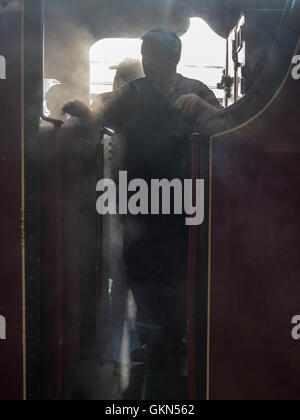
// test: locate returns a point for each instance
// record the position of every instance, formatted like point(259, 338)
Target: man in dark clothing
point(156, 115)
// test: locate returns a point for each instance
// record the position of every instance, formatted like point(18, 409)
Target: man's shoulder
point(191, 85)
point(137, 83)
point(140, 81)
point(199, 88)
point(130, 89)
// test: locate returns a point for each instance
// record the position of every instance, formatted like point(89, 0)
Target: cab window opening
point(203, 58)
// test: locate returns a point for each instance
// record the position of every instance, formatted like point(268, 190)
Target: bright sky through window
point(203, 57)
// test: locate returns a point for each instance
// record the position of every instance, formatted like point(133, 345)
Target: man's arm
point(201, 102)
point(194, 105)
point(111, 112)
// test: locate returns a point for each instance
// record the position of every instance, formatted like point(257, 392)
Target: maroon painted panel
point(11, 348)
point(61, 154)
point(255, 249)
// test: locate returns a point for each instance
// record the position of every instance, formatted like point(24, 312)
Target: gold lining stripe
point(209, 268)
point(23, 208)
point(266, 107)
point(210, 206)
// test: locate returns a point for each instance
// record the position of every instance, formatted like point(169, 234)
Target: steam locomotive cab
point(80, 324)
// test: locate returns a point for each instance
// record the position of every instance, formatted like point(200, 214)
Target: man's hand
point(77, 109)
point(194, 106)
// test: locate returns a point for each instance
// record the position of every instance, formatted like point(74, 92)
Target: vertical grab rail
point(191, 277)
point(196, 277)
point(57, 332)
point(58, 270)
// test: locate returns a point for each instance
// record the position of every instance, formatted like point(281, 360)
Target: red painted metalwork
point(255, 246)
point(11, 218)
point(191, 278)
point(58, 281)
point(60, 249)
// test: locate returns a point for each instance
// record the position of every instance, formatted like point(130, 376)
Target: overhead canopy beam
point(132, 18)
